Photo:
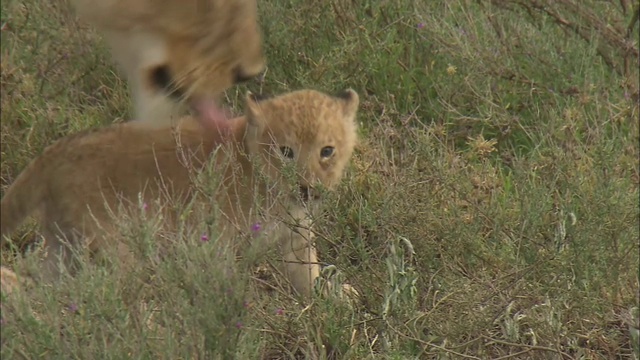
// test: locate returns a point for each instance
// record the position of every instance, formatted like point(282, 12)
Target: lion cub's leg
point(300, 261)
point(302, 268)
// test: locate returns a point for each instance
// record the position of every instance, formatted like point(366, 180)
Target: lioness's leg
point(56, 254)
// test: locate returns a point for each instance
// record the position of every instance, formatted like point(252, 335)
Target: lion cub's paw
point(328, 281)
point(10, 282)
point(350, 292)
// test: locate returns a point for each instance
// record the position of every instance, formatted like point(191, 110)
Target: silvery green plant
point(401, 289)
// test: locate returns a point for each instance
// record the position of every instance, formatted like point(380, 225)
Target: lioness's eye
point(326, 151)
point(286, 151)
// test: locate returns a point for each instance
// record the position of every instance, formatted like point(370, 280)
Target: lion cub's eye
point(326, 151)
point(287, 152)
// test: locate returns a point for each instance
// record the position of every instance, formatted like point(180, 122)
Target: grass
point(491, 210)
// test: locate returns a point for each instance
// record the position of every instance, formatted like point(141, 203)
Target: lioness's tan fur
point(206, 46)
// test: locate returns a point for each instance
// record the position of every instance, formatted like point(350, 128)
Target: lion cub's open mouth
point(308, 194)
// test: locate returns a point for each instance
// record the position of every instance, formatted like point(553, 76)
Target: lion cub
point(79, 179)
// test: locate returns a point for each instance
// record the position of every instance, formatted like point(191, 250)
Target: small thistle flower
point(420, 26)
point(451, 70)
point(72, 308)
point(246, 304)
point(481, 146)
point(238, 325)
point(204, 238)
point(145, 206)
point(279, 311)
point(256, 228)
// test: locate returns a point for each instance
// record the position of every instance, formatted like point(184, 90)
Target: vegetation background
point(491, 210)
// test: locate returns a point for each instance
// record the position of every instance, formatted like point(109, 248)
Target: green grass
point(499, 143)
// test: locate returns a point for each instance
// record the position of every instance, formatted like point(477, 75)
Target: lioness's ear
point(350, 100)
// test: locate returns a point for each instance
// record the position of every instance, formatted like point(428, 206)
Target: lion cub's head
point(179, 54)
point(308, 131)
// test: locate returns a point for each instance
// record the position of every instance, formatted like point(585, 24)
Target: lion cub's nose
point(304, 192)
point(307, 193)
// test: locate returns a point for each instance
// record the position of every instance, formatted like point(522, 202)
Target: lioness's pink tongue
point(212, 116)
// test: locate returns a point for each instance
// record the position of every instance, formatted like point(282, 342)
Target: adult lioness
point(179, 55)
point(75, 182)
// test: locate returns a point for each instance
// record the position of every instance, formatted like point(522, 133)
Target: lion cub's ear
point(253, 110)
point(350, 102)
point(256, 121)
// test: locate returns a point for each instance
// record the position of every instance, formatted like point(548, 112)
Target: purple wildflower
point(420, 25)
point(145, 206)
point(72, 307)
point(204, 238)
point(256, 227)
point(279, 311)
point(238, 325)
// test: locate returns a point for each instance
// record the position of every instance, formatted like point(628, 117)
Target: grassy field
point(491, 210)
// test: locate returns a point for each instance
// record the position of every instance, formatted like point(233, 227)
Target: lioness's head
point(312, 131)
point(179, 54)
